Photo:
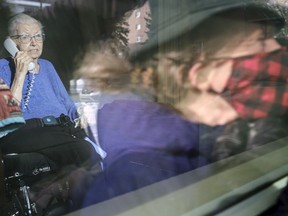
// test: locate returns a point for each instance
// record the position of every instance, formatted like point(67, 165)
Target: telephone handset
point(11, 47)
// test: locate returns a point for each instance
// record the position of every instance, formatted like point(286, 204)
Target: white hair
point(21, 18)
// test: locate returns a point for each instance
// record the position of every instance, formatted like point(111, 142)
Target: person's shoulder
point(45, 62)
point(47, 65)
point(4, 61)
point(5, 65)
point(137, 105)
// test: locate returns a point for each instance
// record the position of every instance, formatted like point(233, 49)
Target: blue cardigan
point(48, 94)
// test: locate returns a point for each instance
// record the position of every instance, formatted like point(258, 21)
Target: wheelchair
point(21, 171)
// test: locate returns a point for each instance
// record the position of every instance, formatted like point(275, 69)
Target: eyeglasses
point(24, 38)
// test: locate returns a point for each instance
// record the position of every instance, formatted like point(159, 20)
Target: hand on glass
point(207, 108)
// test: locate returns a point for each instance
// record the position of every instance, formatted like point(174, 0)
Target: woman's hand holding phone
point(22, 61)
point(11, 47)
point(23, 64)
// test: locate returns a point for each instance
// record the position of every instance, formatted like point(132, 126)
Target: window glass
point(189, 108)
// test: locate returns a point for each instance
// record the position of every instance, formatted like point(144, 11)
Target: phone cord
point(30, 87)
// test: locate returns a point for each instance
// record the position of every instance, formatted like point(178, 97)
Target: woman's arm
point(21, 69)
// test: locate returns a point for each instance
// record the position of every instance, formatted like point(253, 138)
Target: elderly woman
point(46, 106)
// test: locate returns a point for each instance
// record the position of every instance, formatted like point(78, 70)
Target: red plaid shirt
point(258, 86)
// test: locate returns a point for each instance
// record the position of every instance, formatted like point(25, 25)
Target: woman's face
point(33, 48)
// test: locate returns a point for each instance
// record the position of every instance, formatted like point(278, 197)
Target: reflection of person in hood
point(244, 68)
point(229, 70)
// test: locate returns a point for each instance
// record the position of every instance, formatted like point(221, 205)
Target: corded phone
point(11, 47)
